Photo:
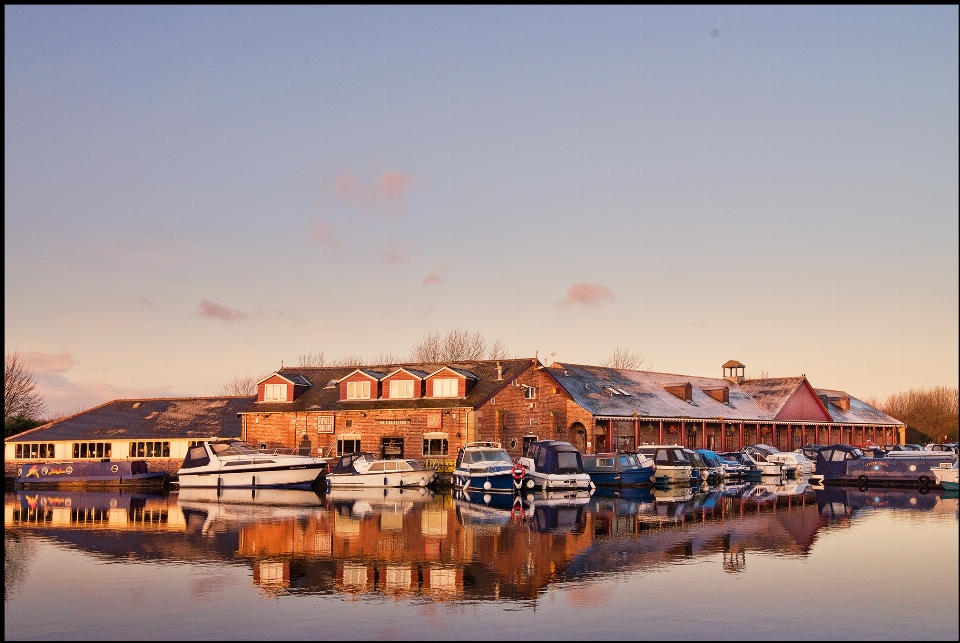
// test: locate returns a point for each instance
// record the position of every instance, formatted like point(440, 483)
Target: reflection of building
point(403, 545)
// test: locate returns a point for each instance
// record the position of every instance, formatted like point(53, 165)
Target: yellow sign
point(444, 465)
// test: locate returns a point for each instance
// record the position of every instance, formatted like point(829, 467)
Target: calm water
point(742, 562)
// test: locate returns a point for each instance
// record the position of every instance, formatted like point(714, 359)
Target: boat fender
point(862, 479)
point(530, 483)
point(487, 486)
point(924, 481)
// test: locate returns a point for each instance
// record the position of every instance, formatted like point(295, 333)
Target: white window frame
point(362, 394)
point(395, 389)
point(445, 383)
point(530, 393)
point(274, 392)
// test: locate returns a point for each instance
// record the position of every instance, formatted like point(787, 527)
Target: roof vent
point(499, 372)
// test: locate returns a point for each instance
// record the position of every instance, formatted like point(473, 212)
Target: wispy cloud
point(398, 253)
point(216, 311)
point(594, 294)
point(324, 234)
point(437, 275)
point(383, 192)
point(49, 363)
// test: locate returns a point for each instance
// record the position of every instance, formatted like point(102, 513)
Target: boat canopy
point(344, 464)
point(554, 456)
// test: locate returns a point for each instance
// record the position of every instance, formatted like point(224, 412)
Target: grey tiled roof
point(156, 419)
point(860, 412)
point(772, 393)
point(322, 398)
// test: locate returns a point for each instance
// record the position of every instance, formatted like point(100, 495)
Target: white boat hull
point(287, 477)
point(381, 479)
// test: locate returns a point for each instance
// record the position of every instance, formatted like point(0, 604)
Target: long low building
point(429, 411)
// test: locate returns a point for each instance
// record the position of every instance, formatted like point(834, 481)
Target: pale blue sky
point(193, 193)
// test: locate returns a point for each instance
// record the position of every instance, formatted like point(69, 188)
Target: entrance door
point(578, 434)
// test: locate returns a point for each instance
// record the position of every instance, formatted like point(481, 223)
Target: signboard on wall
point(434, 420)
point(325, 424)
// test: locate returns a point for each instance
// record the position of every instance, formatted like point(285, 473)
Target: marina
point(417, 563)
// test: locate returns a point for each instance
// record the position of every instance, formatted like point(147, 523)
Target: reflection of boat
point(557, 511)
point(555, 465)
point(673, 493)
point(80, 474)
point(366, 470)
point(232, 463)
point(258, 496)
point(844, 464)
point(949, 501)
point(843, 501)
point(486, 466)
point(946, 475)
point(636, 494)
point(618, 469)
point(486, 509)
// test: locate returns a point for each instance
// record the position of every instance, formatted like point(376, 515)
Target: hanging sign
point(434, 420)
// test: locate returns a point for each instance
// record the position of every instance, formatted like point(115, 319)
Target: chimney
point(499, 372)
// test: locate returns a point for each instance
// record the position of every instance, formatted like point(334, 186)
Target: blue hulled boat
point(617, 469)
point(486, 466)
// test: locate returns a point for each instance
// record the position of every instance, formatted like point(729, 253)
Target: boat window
point(413, 465)
point(221, 449)
point(377, 466)
point(541, 458)
point(680, 455)
point(662, 455)
point(604, 462)
point(493, 456)
point(567, 462)
point(196, 457)
point(837, 456)
point(856, 454)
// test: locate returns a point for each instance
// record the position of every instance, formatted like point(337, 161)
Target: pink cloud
point(397, 253)
point(383, 193)
point(48, 363)
point(146, 302)
point(587, 294)
point(324, 234)
point(216, 311)
point(436, 276)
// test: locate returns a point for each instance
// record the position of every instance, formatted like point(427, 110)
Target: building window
point(527, 441)
point(435, 445)
point(31, 451)
point(274, 392)
point(358, 390)
point(530, 393)
point(152, 449)
point(401, 388)
point(92, 449)
point(391, 448)
point(445, 387)
point(347, 445)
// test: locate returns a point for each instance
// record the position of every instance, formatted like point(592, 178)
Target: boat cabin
point(554, 456)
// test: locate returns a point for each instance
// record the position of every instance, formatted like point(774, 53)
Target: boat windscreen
point(567, 461)
point(487, 456)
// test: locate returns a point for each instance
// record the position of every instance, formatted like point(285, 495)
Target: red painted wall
point(804, 405)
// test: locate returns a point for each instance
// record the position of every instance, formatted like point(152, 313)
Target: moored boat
point(367, 470)
point(487, 467)
point(234, 463)
point(555, 465)
point(672, 463)
point(80, 474)
point(844, 464)
point(618, 469)
point(946, 475)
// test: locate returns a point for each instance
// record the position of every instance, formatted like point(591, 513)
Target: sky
point(197, 193)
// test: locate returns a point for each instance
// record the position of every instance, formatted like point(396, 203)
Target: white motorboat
point(233, 463)
point(366, 470)
point(671, 462)
point(946, 475)
point(486, 466)
point(794, 463)
point(554, 465)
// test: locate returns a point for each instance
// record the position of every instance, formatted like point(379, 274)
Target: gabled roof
point(412, 371)
point(372, 374)
point(458, 371)
point(322, 398)
point(772, 393)
point(587, 386)
point(297, 380)
point(732, 364)
point(860, 412)
point(154, 419)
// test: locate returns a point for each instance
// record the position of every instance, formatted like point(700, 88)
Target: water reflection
point(448, 545)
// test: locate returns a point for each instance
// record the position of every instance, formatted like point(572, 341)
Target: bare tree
point(459, 344)
point(624, 358)
point(313, 359)
point(931, 413)
point(762, 375)
point(240, 385)
point(20, 396)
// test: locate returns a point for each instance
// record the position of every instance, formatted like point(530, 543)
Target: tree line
point(931, 414)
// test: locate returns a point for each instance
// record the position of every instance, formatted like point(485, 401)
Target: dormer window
point(358, 390)
point(401, 388)
point(274, 392)
point(445, 387)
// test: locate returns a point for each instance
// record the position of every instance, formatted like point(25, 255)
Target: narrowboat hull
point(86, 475)
point(878, 471)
